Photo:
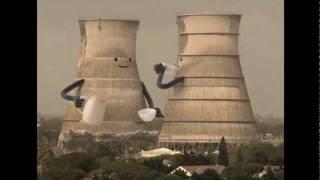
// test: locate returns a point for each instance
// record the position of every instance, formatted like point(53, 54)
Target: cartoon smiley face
point(123, 62)
point(115, 67)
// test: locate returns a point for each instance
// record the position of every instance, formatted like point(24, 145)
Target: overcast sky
point(261, 44)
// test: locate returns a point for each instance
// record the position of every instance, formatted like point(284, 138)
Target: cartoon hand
point(159, 68)
point(158, 112)
point(78, 101)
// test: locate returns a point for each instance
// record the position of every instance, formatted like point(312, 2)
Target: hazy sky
point(261, 44)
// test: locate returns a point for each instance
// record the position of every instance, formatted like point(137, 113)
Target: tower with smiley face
point(108, 66)
point(212, 102)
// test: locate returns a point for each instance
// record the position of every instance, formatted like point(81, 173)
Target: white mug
point(94, 109)
point(147, 114)
point(171, 70)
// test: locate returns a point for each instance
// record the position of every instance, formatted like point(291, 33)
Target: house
point(38, 122)
point(158, 152)
point(199, 169)
point(264, 171)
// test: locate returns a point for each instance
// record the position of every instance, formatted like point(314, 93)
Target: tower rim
point(83, 19)
point(207, 14)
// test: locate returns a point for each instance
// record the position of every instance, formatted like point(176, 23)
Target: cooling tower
point(212, 101)
point(108, 66)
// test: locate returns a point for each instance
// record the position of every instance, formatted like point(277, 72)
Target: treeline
point(270, 124)
point(48, 129)
point(104, 161)
point(261, 153)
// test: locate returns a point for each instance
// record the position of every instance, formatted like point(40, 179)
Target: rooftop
point(201, 168)
point(208, 14)
point(105, 19)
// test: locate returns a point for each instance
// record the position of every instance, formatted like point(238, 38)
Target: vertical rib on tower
point(212, 101)
point(108, 65)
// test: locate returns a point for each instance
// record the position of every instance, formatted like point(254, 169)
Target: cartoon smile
point(123, 62)
point(123, 66)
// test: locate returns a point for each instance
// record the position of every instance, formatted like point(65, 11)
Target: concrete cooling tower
point(108, 67)
point(212, 100)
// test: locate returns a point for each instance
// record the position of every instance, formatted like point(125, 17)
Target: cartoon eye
point(130, 59)
point(115, 59)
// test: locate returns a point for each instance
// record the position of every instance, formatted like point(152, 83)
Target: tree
point(279, 175)
point(269, 175)
point(223, 153)
point(128, 170)
point(78, 140)
point(242, 171)
point(211, 159)
point(58, 173)
point(172, 177)
point(70, 166)
point(44, 153)
point(96, 174)
point(103, 149)
point(239, 155)
point(153, 163)
point(176, 160)
point(50, 129)
point(277, 157)
point(211, 149)
point(261, 153)
point(181, 173)
point(208, 174)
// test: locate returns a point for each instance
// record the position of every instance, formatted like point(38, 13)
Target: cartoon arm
point(160, 69)
point(149, 100)
point(78, 102)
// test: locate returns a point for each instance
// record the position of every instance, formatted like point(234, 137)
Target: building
point(38, 122)
point(158, 152)
point(212, 101)
point(264, 171)
point(199, 169)
point(108, 67)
